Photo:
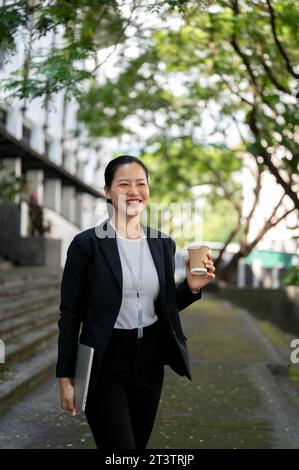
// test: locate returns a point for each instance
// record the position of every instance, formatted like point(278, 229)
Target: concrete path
point(244, 394)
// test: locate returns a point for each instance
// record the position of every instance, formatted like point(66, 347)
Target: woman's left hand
point(197, 282)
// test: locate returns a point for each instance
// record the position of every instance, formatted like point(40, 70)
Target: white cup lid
point(197, 245)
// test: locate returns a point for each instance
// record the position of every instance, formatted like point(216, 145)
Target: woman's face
point(129, 191)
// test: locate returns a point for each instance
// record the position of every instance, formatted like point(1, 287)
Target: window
point(3, 117)
point(47, 147)
point(26, 135)
point(63, 158)
point(2, 58)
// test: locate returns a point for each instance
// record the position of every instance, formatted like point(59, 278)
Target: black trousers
point(122, 407)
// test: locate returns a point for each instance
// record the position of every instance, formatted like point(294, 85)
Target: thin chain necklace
point(137, 285)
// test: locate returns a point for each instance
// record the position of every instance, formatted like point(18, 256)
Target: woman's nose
point(133, 190)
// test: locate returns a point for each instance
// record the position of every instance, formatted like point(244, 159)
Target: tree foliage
point(11, 186)
point(235, 61)
point(85, 26)
point(240, 57)
point(239, 60)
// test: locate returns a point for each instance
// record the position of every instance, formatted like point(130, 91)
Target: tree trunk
point(229, 239)
point(229, 271)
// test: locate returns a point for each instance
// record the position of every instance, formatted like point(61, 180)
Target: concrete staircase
point(29, 301)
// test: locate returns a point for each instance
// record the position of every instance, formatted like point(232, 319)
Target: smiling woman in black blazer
point(118, 295)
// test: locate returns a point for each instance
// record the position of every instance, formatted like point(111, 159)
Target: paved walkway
point(241, 395)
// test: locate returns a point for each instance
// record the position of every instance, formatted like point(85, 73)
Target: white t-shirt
point(128, 313)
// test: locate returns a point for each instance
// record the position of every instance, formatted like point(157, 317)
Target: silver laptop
point(82, 375)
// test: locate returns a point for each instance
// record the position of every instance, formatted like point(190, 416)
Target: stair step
point(25, 287)
point(18, 275)
point(5, 264)
point(11, 327)
point(27, 344)
point(23, 376)
point(28, 303)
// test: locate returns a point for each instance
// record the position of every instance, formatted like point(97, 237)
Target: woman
point(118, 284)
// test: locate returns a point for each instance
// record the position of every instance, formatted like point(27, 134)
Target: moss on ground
point(222, 407)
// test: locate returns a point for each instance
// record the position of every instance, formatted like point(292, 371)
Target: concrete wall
point(59, 226)
point(280, 306)
point(31, 251)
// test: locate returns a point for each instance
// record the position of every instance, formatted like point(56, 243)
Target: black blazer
point(91, 295)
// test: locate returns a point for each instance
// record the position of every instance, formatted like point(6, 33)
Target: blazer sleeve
point(73, 297)
point(184, 295)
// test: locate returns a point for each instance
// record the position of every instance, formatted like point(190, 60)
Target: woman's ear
point(107, 192)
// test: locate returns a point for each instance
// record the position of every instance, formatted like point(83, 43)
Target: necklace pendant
point(137, 295)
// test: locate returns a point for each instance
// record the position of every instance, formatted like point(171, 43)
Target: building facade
point(46, 145)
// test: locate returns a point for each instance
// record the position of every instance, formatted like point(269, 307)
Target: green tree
point(292, 277)
point(11, 186)
point(235, 58)
point(180, 164)
point(86, 27)
point(238, 59)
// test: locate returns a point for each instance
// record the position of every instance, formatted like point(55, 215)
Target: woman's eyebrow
point(124, 179)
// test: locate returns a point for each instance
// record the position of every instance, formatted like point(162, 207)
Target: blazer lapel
point(106, 233)
point(156, 248)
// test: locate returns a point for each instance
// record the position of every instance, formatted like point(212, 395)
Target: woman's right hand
point(67, 395)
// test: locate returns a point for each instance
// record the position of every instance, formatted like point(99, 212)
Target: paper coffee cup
point(198, 253)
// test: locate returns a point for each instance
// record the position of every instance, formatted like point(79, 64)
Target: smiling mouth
point(133, 201)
